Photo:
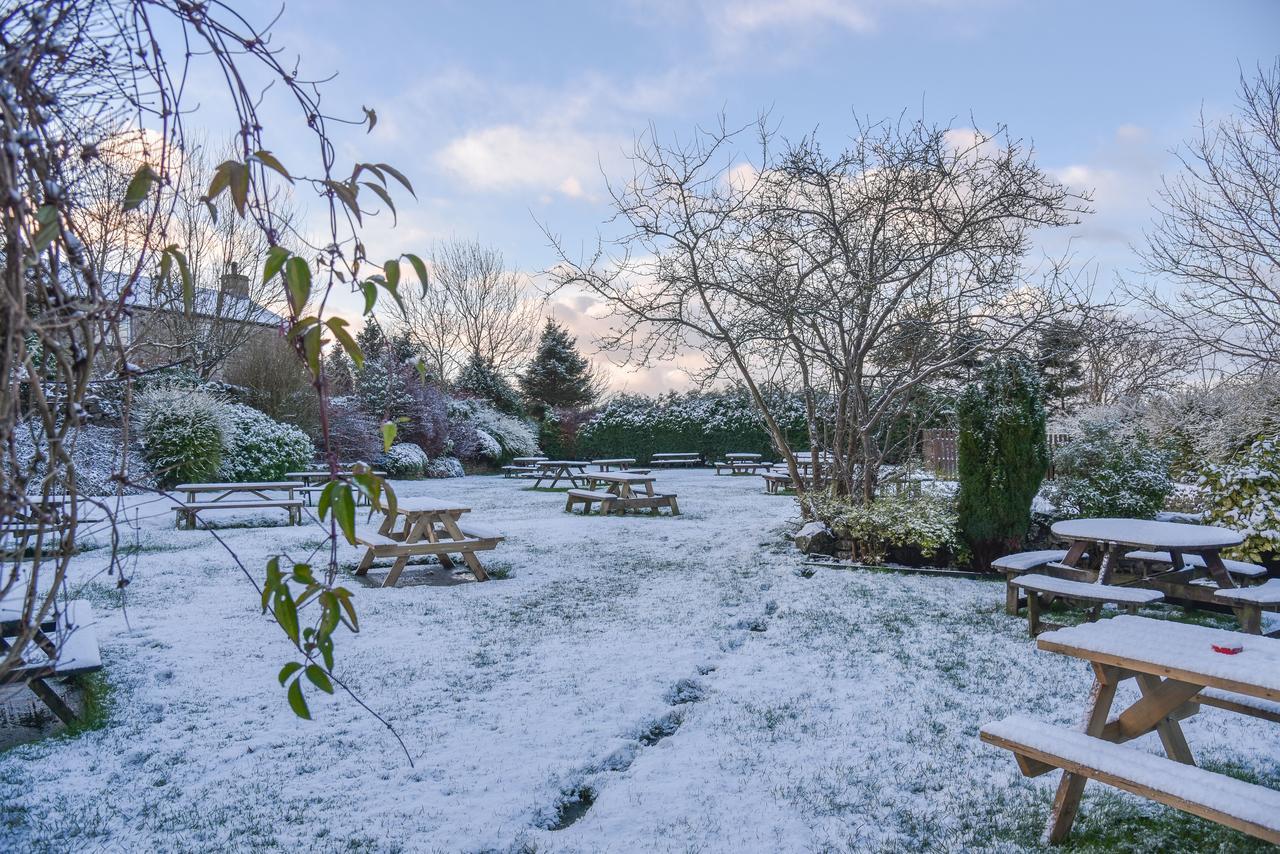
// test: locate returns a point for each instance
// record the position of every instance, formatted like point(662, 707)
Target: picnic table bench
point(224, 498)
point(672, 460)
point(64, 645)
point(515, 470)
point(430, 527)
point(573, 471)
point(1177, 671)
point(619, 493)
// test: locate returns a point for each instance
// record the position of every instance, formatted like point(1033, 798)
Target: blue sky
point(503, 114)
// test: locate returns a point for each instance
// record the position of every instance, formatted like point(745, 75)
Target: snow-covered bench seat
point(1234, 567)
point(1043, 589)
point(776, 481)
point(518, 471)
point(187, 510)
point(1268, 710)
point(587, 497)
point(1016, 564)
point(1250, 602)
point(1247, 807)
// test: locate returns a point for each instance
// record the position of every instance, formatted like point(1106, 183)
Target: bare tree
point(859, 277)
point(1127, 358)
point(1217, 236)
point(476, 307)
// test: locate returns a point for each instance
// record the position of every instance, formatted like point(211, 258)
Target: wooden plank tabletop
point(236, 487)
point(1157, 536)
point(1179, 651)
point(621, 477)
point(427, 504)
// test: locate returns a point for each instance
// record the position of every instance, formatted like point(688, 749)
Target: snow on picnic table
point(711, 697)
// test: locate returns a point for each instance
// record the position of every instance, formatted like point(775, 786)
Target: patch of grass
point(95, 694)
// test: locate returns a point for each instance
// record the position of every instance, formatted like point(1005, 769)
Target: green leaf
point(395, 173)
point(276, 256)
point(311, 345)
point(388, 435)
point(326, 499)
point(296, 701)
point(392, 271)
point(288, 670)
point(184, 273)
point(371, 117)
point(347, 195)
point(240, 187)
point(338, 327)
point(319, 678)
point(47, 216)
point(418, 267)
point(286, 613)
point(385, 196)
point(273, 581)
point(370, 296)
point(139, 186)
point(344, 511)
point(221, 179)
point(297, 276)
point(266, 158)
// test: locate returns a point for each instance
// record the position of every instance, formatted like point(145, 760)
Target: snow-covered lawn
point(681, 671)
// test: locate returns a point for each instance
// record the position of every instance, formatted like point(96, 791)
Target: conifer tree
point(558, 376)
point(1003, 456)
point(480, 379)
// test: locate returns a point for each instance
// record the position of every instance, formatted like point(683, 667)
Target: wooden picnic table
point(526, 461)
point(1177, 670)
point(427, 526)
point(226, 496)
point(743, 456)
point(623, 463)
point(621, 494)
point(573, 471)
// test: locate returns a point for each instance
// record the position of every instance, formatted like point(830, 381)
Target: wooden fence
point(941, 458)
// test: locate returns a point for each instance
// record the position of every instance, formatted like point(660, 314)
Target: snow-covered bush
point(182, 433)
point(96, 453)
point(1244, 495)
point(353, 434)
point(1213, 426)
point(444, 467)
point(404, 460)
point(1106, 471)
point(480, 432)
point(256, 447)
point(898, 526)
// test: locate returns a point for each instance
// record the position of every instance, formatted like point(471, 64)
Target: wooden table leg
point(1175, 743)
point(1066, 801)
point(413, 534)
point(451, 526)
point(1213, 561)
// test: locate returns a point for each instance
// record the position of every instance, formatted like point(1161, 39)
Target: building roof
point(146, 294)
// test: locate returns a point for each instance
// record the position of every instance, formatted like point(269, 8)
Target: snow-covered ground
point(707, 694)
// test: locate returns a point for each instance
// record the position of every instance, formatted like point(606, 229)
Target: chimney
point(234, 284)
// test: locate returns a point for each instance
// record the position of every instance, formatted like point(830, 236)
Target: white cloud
point(511, 157)
point(749, 17)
